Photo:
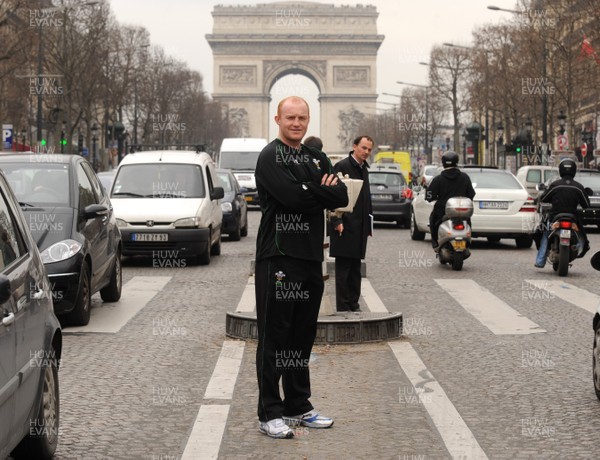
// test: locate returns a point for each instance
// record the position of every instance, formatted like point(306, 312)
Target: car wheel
point(415, 233)
point(493, 239)
point(112, 292)
point(596, 360)
point(42, 439)
point(524, 241)
point(244, 229)
point(236, 235)
point(80, 315)
point(215, 249)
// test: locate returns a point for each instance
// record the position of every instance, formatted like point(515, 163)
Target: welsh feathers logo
point(279, 277)
point(317, 163)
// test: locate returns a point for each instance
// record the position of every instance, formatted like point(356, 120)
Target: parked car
point(532, 175)
point(30, 341)
point(71, 218)
point(106, 179)
point(390, 194)
point(502, 208)
point(234, 206)
point(167, 204)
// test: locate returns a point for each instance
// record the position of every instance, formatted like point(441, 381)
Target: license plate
point(244, 178)
point(564, 233)
point(149, 237)
point(382, 197)
point(493, 204)
point(459, 245)
point(248, 198)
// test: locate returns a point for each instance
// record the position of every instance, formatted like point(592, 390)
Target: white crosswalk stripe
point(488, 309)
point(568, 292)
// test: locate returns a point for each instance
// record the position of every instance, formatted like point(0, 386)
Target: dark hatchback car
point(30, 341)
point(390, 195)
point(71, 218)
point(234, 206)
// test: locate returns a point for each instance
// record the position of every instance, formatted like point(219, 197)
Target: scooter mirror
point(595, 261)
point(540, 187)
point(589, 191)
point(474, 184)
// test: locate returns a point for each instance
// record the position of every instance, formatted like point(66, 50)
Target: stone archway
point(334, 46)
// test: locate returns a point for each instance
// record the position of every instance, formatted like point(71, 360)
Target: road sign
point(7, 137)
point(583, 150)
point(562, 141)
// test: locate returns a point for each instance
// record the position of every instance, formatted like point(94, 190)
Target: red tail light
point(407, 193)
point(528, 206)
point(565, 224)
point(459, 226)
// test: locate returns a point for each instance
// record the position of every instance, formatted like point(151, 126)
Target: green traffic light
point(43, 142)
point(518, 150)
point(63, 142)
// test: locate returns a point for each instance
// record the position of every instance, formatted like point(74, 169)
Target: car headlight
point(121, 223)
point(226, 207)
point(60, 251)
point(187, 222)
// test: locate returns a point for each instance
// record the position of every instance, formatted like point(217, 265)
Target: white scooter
point(454, 233)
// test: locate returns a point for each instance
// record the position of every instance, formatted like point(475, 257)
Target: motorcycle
point(454, 234)
point(565, 242)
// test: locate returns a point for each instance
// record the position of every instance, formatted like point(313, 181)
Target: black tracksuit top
point(292, 201)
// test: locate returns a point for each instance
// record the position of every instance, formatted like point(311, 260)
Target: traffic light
point(518, 149)
point(43, 142)
point(63, 142)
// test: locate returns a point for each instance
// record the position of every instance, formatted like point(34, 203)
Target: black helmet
point(449, 159)
point(567, 167)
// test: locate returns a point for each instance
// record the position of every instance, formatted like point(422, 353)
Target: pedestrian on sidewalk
point(295, 184)
point(348, 234)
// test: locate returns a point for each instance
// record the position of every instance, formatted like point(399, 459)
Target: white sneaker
point(311, 419)
point(276, 428)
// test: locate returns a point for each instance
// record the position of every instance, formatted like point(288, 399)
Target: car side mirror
point(5, 290)
point(588, 191)
point(243, 190)
point(217, 193)
point(94, 210)
point(540, 187)
point(418, 188)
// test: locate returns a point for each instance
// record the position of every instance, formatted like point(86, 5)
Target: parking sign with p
point(7, 137)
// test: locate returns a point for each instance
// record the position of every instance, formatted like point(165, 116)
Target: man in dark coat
point(348, 233)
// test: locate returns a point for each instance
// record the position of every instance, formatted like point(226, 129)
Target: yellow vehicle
point(400, 158)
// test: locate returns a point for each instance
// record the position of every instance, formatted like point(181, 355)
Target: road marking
point(572, 294)
point(488, 309)
point(222, 381)
point(374, 303)
point(455, 433)
point(111, 317)
point(248, 301)
point(207, 433)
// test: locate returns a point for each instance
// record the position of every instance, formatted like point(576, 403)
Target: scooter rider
point(565, 194)
point(450, 183)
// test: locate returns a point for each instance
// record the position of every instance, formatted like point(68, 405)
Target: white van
point(167, 206)
point(532, 175)
point(240, 155)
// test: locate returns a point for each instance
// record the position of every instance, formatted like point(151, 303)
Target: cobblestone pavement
point(135, 394)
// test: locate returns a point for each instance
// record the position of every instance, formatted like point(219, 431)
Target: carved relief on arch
point(237, 75)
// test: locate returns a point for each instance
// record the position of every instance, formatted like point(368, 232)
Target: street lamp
point(500, 142)
point(427, 152)
point(94, 146)
point(63, 138)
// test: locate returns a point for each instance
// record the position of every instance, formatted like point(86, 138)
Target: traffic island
point(340, 328)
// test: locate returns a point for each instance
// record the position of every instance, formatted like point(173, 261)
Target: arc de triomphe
point(255, 45)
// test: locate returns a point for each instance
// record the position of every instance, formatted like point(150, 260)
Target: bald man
point(295, 185)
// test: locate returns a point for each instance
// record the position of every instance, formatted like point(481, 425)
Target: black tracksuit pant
point(288, 297)
point(347, 283)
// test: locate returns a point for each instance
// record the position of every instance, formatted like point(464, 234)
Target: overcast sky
point(411, 28)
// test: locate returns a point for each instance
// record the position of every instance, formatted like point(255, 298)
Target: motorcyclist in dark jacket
point(565, 194)
point(450, 183)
